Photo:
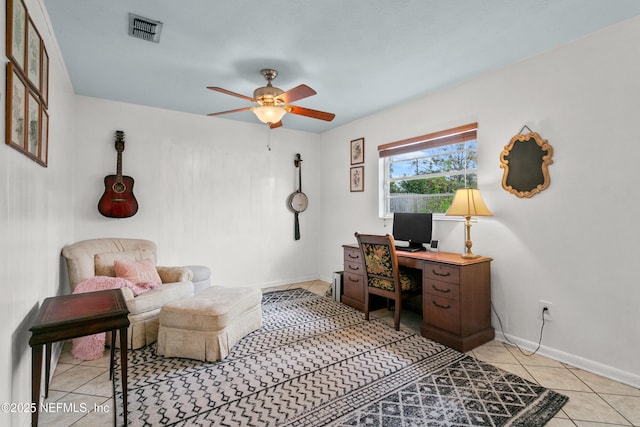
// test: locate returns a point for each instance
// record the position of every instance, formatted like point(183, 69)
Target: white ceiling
point(361, 56)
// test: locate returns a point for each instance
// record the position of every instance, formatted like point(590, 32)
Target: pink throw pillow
point(142, 271)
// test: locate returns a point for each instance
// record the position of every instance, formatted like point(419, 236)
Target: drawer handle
point(354, 268)
point(353, 256)
point(354, 280)
point(444, 291)
point(447, 307)
point(448, 273)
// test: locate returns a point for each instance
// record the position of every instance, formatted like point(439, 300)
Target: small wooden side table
point(72, 316)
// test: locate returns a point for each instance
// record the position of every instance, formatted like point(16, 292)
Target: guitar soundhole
point(119, 187)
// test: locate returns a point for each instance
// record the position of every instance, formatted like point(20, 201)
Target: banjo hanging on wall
point(298, 201)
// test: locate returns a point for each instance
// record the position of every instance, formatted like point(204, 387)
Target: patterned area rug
point(316, 362)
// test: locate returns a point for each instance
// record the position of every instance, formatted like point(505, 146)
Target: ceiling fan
point(272, 103)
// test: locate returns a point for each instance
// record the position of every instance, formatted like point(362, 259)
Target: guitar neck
point(119, 167)
point(119, 143)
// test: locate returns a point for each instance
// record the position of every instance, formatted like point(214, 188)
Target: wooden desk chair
point(383, 276)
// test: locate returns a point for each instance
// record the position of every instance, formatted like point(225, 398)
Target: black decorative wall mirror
point(525, 162)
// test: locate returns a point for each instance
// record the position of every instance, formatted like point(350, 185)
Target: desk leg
point(47, 368)
point(112, 353)
point(36, 374)
point(123, 363)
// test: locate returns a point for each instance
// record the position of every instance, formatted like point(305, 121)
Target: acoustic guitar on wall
point(118, 200)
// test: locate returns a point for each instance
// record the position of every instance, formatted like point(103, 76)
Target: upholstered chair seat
point(409, 281)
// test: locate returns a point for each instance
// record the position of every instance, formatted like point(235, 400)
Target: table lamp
point(467, 202)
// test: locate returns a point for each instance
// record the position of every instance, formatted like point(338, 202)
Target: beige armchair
point(96, 257)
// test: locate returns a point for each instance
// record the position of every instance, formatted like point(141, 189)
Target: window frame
point(451, 136)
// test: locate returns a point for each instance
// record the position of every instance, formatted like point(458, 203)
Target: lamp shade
point(468, 202)
point(269, 114)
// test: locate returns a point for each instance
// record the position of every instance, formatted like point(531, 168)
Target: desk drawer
point(441, 272)
point(353, 267)
point(442, 289)
point(353, 286)
point(352, 255)
point(442, 313)
point(411, 263)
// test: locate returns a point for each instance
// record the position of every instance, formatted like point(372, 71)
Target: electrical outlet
point(547, 313)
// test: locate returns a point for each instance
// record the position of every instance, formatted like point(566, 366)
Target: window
point(421, 174)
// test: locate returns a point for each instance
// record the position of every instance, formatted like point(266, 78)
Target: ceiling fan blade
point(228, 92)
point(275, 125)
point(298, 92)
point(230, 111)
point(314, 114)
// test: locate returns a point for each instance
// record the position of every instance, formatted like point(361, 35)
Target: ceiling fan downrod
point(267, 95)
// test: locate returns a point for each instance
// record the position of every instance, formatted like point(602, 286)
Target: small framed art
point(34, 60)
point(44, 77)
point(43, 156)
point(33, 125)
point(357, 151)
point(357, 179)
point(16, 108)
point(16, 32)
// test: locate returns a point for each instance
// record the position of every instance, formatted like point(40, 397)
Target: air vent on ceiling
point(144, 28)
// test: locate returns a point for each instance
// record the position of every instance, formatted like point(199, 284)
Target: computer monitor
point(414, 228)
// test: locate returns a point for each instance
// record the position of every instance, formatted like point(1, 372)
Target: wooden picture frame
point(33, 125)
point(15, 118)
point(34, 53)
point(526, 163)
point(43, 155)
point(356, 179)
point(16, 33)
point(357, 151)
point(44, 77)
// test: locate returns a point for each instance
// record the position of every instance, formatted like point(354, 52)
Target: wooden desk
point(456, 294)
point(71, 316)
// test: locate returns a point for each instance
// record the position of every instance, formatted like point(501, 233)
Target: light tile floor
point(81, 393)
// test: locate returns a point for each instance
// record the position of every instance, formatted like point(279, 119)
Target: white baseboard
point(274, 283)
point(610, 372)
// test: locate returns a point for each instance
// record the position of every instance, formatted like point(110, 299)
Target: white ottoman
point(206, 326)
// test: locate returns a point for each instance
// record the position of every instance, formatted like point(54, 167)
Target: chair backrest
point(82, 257)
point(380, 261)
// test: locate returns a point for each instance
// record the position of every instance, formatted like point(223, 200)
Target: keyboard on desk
point(407, 249)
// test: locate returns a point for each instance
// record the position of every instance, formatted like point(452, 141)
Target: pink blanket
point(91, 347)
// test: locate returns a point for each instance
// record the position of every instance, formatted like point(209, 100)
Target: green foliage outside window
point(425, 181)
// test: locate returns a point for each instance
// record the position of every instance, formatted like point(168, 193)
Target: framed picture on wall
point(33, 125)
point(16, 109)
point(43, 156)
point(16, 32)
point(357, 151)
point(357, 179)
point(44, 77)
point(33, 55)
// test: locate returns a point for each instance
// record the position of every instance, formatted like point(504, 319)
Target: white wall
point(35, 220)
point(209, 190)
point(575, 243)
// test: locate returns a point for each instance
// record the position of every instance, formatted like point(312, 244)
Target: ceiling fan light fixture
point(271, 103)
point(269, 114)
